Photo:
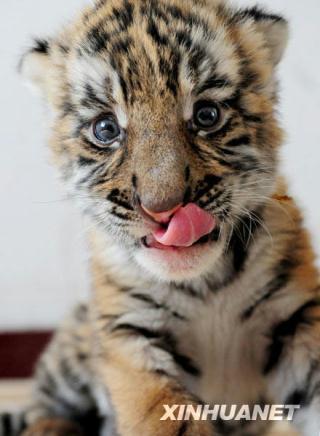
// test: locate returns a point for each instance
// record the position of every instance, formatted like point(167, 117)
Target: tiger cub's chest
point(227, 352)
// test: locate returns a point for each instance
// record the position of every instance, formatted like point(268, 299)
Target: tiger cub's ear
point(274, 28)
point(36, 66)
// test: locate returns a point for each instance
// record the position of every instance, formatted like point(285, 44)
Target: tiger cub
point(204, 289)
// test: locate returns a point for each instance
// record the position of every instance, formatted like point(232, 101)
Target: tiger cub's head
point(163, 123)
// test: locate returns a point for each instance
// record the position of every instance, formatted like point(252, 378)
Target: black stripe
point(241, 140)
point(190, 19)
point(217, 198)
point(162, 372)
point(138, 330)
point(205, 185)
point(249, 78)
point(183, 428)
point(91, 173)
point(169, 344)
point(183, 361)
point(90, 421)
point(46, 382)
point(187, 195)
point(258, 14)
point(153, 31)
point(165, 341)
point(123, 87)
point(120, 46)
point(119, 215)
point(98, 38)
point(282, 275)
point(149, 300)
point(91, 98)
point(67, 108)
point(120, 161)
point(225, 129)
point(175, 12)
point(69, 407)
point(187, 290)
point(245, 164)
point(99, 4)
point(241, 240)
point(186, 364)
point(272, 287)
point(73, 380)
point(228, 152)
point(134, 181)
point(170, 70)
point(6, 420)
point(123, 16)
point(146, 298)
point(90, 146)
point(196, 57)
point(183, 39)
point(213, 82)
point(283, 331)
point(303, 395)
point(254, 118)
point(297, 397)
point(85, 161)
point(118, 199)
point(201, 154)
point(41, 46)
point(233, 101)
point(187, 173)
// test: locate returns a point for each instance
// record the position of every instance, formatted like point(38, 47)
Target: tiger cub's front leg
point(63, 401)
point(53, 427)
point(293, 366)
point(139, 397)
point(134, 362)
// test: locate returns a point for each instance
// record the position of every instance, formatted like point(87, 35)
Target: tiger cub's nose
point(161, 217)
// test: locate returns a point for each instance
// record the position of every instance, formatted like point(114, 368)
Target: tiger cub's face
point(163, 110)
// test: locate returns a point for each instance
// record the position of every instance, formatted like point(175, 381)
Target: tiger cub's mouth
point(188, 226)
point(150, 242)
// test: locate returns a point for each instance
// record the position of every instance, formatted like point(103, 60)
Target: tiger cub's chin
point(179, 264)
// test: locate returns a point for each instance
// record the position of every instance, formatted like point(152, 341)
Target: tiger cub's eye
point(206, 115)
point(106, 129)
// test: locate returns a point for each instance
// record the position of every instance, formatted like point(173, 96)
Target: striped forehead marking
point(160, 47)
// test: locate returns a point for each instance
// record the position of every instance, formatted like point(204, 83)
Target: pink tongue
point(186, 227)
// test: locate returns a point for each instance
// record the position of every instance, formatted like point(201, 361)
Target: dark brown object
point(20, 351)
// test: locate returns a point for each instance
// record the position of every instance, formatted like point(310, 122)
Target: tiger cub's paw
point(185, 428)
point(197, 428)
point(53, 427)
